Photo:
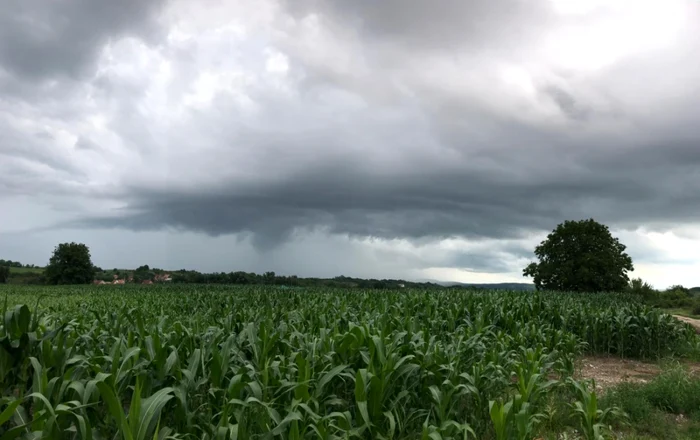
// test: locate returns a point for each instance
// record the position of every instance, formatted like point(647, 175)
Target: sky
point(394, 139)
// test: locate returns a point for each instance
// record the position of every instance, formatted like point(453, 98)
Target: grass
point(667, 407)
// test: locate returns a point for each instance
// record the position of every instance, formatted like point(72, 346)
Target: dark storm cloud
point(43, 39)
point(615, 187)
point(566, 102)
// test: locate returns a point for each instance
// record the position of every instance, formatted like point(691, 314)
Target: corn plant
point(224, 363)
point(593, 422)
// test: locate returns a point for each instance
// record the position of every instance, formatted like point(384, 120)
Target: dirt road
point(694, 322)
point(609, 371)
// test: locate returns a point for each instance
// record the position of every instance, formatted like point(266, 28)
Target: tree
point(581, 256)
point(70, 264)
point(4, 274)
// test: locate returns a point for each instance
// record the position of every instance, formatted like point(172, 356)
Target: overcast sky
point(396, 138)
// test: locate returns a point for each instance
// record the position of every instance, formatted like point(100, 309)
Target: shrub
point(696, 308)
point(640, 288)
point(673, 299)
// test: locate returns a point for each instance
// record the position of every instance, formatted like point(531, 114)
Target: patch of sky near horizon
point(669, 257)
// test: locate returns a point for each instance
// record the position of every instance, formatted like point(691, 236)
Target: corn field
point(217, 362)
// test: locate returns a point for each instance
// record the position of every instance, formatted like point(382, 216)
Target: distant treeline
point(10, 263)
point(19, 275)
point(270, 278)
point(32, 274)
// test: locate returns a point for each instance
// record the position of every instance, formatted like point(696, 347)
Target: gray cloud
point(449, 25)
point(520, 197)
point(42, 40)
point(566, 102)
point(393, 120)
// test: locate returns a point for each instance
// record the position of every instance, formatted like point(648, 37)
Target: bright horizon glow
point(660, 276)
point(629, 27)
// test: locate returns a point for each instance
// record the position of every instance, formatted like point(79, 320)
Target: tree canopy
point(70, 264)
point(581, 256)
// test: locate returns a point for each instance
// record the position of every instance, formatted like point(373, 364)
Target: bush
point(696, 308)
point(640, 288)
point(673, 299)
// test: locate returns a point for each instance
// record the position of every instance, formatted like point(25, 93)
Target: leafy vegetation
point(581, 256)
point(70, 264)
point(205, 362)
point(667, 407)
point(10, 263)
point(676, 299)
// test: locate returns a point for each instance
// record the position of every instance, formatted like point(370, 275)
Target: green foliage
point(673, 299)
point(4, 274)
point(17, 341)
point(208, 362)
point(580, 256)
point(674, 391)
point(679, 288)
point(640, 288)
point(70, 264)
point(594, 422)
point(696, 309)
point(10, 263)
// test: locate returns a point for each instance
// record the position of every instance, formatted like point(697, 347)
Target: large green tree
point(70, 264)
point(581, 256)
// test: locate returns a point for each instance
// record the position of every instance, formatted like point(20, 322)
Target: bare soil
point(608, 371)
point(694, 322)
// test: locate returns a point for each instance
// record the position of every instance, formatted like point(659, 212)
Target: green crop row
point(215, 362)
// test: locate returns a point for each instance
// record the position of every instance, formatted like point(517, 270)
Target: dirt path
point(609, 371)
point(694, 322)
